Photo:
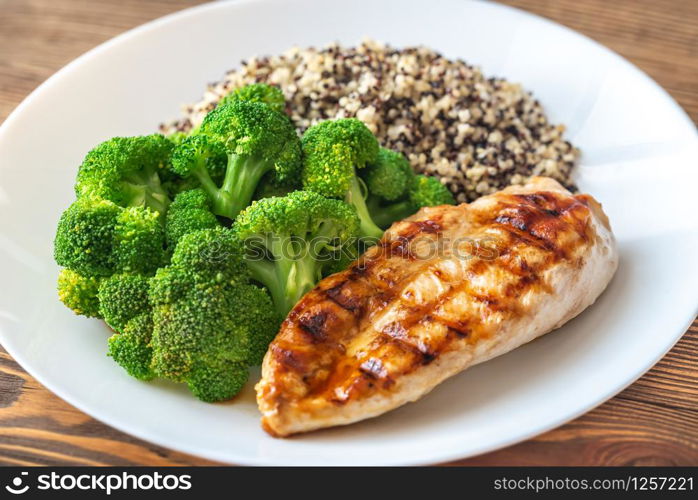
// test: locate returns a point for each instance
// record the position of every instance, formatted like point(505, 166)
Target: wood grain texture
point(653, 422)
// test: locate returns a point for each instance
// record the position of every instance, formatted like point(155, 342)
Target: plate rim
point(230, 457)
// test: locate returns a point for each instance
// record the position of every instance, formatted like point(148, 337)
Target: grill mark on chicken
point(430, 226)
point(314, 326)
point(427, 226)
point(401, 245)
point(460, 333)
point(530, 234)
point(349, 377)
point(518, 225)
point(347, 301)
point(362, 267)
point(453, 336)
point(458, 327)
point(398, 333)
point(289, 358)
point(538, 218)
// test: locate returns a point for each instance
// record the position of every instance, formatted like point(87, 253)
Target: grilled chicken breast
point(447, 288)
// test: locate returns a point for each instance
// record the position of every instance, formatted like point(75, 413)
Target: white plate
point(639, 159)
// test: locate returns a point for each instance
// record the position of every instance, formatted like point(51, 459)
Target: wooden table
point(653, 422)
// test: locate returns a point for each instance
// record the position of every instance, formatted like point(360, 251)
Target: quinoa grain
point(476, 134)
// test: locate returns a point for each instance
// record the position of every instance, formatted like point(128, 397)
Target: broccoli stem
point(385, 215)
point(264, 272)
point(144, 189)
point(304, 278)
point(202, 175)
point(291, 274)
point(355, 197)
point(241, 179)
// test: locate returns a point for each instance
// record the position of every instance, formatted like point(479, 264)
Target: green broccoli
point(332, 153)
point(256, 140)
point(173, 183)
point(290, 240)
point(122, 297)
point(127, 171)
point(189, 212)
point(209, 322)
point(428, 191)
point(396, 192)
point(96, 237)
point(131, 348)
point(254, 308)
point(79, 293)
point(258, 92)
point(423, 191)
point(116, 224)
point(123, 300)
point(390, 176)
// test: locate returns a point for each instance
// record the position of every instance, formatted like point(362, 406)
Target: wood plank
point(661, 37)
point(39, 428)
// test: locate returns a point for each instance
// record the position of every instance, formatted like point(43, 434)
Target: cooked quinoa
point(476, 134)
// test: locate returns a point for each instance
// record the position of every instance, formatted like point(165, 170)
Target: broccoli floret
point(79, 293)
point(116, 224)
point(200, 154)
point(139, 238)
point(256, 140)
point(96, 237)
point(428, 191)
point(424, 191)
point(123, 300)
point(131, 348)
point(258, 92)
point(212, 379)
point(85, 234)
point(209, 322)
point(190, 211)
point(254, 308)
point(173, 183)
point(390, 176)
point(290, 240)
point(122, 297)
point(127, 171)
point(332, 153)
